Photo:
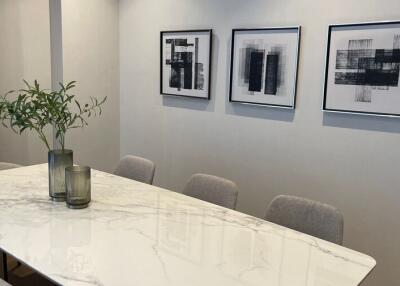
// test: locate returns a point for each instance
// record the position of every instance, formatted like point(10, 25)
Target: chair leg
point(5, 270)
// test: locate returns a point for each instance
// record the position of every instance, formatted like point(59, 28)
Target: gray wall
point(349, 161)
point(24, 54)
point(91, 57)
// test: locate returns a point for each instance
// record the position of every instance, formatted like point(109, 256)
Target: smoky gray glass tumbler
point(78, 187)
point(58, 161)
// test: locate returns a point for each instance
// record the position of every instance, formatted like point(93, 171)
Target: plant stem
point(62, 141)
point(43, 138)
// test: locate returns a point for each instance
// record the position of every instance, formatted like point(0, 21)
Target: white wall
point(91, 57)
point(24, 54)
point(349, 161)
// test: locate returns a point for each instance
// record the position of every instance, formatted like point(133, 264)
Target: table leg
point(5, 270)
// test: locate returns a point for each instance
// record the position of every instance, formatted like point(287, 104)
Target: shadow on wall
point(188, 103)
point(256, 111)
point(362, 122)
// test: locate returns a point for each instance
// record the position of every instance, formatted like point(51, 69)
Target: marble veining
point(137, 234)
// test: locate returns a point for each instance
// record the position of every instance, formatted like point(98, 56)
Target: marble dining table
point(137, 234)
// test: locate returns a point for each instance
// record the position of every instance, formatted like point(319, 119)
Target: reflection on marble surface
point(137, 234)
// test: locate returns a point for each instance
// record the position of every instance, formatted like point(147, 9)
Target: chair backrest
point(6, 166)
point(307, 216)
point(136, 168)
point(212, 189)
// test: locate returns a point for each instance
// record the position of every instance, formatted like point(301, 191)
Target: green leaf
point(35, 109)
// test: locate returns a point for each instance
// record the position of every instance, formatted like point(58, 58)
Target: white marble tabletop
point(137, 234)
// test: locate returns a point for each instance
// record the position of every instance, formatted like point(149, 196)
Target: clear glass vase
point(58, 161)
point(78, 187)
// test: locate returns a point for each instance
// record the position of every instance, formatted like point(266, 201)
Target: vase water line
point(58, 160)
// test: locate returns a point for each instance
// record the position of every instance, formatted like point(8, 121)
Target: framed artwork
point(362, 69)
point(185, 63)
point(264, 66)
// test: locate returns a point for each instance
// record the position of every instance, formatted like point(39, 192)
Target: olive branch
point(33, 108)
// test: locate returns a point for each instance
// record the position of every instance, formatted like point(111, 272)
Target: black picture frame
point(162, 33)
point(327, 62)
point(294, 28)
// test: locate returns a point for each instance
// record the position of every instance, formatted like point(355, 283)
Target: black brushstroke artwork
point(248, 51)
point(184, 61)
point(368, 68)
point(198, 68)
point(261, 70)
point(256, 70)
point(271, 74)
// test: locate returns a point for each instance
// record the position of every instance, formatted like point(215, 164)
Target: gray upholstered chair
point(307, 216)
point(6, 166)
point(136, 168)
point(212, 189)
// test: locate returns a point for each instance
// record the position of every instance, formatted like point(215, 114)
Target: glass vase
point(78, 187)
point(58, 161)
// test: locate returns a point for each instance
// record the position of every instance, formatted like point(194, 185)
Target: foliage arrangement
point(33, 108)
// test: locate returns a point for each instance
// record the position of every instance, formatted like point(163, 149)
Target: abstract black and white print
point(260, 67)
point(185, 63)
point(364, 69)
point(264, 66)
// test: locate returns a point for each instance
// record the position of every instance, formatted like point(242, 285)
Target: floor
point(22, 275)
